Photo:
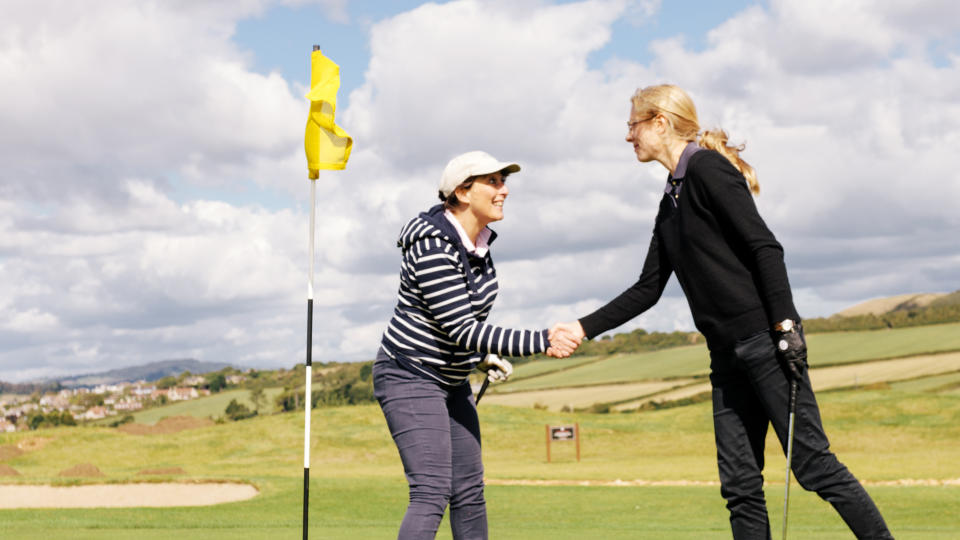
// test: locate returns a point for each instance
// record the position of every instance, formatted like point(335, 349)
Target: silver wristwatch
point(786, 326)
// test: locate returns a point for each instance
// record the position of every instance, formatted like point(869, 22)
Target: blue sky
point(161, 211)
point(280, 39)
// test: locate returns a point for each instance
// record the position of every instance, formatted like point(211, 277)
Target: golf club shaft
point(483, 388)
point(786, 492)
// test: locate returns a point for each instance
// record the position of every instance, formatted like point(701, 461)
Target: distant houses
point(127, 405)
point(195, 380)
point(101, 401)
point(142, 389)
point(182, 393)
point(94, 413)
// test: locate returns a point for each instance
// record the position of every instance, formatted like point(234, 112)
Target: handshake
point(564, 339)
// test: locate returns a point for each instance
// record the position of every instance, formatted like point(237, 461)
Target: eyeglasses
point(634, 123)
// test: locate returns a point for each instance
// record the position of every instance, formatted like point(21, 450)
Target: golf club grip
point(483, 388)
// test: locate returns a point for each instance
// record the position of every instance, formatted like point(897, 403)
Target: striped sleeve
point(447, 298)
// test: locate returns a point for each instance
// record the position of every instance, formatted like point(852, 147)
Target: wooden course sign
point(563, 433)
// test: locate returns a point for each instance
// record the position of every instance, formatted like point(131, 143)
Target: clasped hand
point(564, 339)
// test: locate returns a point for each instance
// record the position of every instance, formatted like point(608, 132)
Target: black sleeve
point(640, 297)
point(736, 212)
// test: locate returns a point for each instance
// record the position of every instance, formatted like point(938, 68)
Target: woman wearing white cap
point(709, 234)
point(437, 336)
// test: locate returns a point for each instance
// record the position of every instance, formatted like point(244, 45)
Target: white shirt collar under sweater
point(480, 250)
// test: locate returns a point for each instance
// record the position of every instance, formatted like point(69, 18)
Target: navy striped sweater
point(445, 296)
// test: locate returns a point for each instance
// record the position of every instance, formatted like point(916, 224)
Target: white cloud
point(111, 108)
point(849, 122)
point(107, 90)
point(478, 74)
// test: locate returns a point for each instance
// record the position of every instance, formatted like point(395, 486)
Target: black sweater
point(727, 261)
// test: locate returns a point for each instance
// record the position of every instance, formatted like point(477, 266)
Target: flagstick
point(308, 396)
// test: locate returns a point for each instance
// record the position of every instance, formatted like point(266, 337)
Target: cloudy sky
point(154, 200)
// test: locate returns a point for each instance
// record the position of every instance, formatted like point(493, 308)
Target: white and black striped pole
point(308, 395)
point(327, 146)
point(308, 371)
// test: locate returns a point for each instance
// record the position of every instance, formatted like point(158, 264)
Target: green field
point(886, 433)
point(372, 509)
point(825, 350)
point(358, 489)
point(539, 367)
point(211, 406)
point(947, 383)
point(676, 362)
point(844, 347)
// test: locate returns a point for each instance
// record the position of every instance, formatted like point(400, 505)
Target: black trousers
point(750, 392)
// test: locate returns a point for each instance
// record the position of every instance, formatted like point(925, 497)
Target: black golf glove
point(791, 350)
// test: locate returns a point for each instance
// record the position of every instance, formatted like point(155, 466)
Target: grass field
point(536, 368)
point(211, 406)
point(906, 426)
point(358, 489)
point(372, 509)
point(837, 360)
point(676, 362)
point(583, 396)
point(825, 349)
point(949, 382)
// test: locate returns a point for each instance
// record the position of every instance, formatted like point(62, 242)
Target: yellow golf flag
point(327, 144)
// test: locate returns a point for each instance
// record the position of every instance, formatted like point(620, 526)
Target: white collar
point(480, 250)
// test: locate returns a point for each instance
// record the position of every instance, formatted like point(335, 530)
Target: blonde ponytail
point(675, 105)
point(716, 139)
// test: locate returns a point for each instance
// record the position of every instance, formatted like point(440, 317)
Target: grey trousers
point(750, 392)
point(437, 432)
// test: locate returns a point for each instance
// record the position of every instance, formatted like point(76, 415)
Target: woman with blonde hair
point(708, 232)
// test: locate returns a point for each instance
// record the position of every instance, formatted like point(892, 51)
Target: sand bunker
point(172, 424)
point(123, 495)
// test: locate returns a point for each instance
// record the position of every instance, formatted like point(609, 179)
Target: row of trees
point(932, 314)
point(344, 384)
point(638, 340)
point(215, 381)
point(333, 385)
point(39, 420)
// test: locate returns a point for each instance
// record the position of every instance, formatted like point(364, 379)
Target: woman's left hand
point(792, 353)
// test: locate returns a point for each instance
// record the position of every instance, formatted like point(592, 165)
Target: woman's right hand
point(564, 339)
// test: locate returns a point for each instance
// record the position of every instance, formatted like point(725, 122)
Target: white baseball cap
point(471, 164)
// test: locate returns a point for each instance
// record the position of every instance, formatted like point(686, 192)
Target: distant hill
point(893, 312)
point(147, 372)
point(951, 299)
point(902, 302)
